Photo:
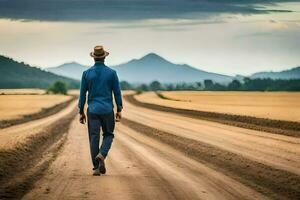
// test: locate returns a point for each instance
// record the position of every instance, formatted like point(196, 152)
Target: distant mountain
point(239, 77)
point(19, 75)
point(153, 67)
point(293, 73)
point(71, 70)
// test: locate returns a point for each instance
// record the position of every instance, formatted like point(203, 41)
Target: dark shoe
point(102, 168)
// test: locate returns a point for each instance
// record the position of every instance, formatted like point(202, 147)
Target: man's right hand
point(118, 116)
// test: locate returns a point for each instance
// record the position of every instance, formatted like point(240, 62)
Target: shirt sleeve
point(117, 92)
point(82, 96)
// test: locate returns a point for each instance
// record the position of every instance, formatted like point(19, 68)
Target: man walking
point(100, 82)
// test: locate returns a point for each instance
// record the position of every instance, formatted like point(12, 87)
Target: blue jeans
point(107, 123)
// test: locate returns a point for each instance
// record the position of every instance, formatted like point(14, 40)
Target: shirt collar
point(98, 63)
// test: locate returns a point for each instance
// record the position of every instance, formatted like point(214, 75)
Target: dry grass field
point(18, 105)
point(272, 105)
point(22, 91)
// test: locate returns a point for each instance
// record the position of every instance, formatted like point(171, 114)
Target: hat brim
point(103, 56)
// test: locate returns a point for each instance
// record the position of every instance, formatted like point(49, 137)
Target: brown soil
point(34, 116)
point(23, 165)
point(160, 95)
point(163, 155)
point(268, 125)
point(138, 167)
point(275, 183)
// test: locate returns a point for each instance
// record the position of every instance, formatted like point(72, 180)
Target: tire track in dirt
point(24, 159)
point(138, 167)
point(278, 151)
point(277, 155)
point(16, 135)
point(145, 165)
point(45, 112)
point(194, 180)
point(273, 126)
point(275, 183)
point(281, 152)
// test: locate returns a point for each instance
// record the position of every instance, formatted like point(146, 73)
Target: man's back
point(100, 81)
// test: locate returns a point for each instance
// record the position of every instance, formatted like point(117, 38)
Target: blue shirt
point(100, 82)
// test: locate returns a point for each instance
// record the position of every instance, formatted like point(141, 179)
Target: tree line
point(246, 84)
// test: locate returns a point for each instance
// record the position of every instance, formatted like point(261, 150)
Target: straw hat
point(99, 52)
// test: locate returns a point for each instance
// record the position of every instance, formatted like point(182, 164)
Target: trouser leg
point(108, 126)
point(94, 124)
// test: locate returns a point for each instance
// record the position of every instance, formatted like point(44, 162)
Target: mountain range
point(71, 70)
point(15, 74)
point(293, 73)
point(153, 67)
point(146, 69)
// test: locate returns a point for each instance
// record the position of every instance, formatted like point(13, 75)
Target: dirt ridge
point(45, 112)
point(261, 124)
point(275, 183)
point(22, 166)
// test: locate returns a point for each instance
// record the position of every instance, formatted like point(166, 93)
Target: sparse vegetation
point(208, 85)
point(58, 87)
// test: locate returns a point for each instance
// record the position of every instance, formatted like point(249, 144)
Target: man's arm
point(117, 93)
point(82, 98)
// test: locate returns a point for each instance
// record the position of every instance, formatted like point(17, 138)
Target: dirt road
point(280, 151)
point(140, 167)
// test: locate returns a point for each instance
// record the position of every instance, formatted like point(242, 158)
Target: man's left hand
point(82, 118)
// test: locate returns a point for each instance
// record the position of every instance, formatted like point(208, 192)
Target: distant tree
point(125, 85)
point(190, 86)
point(178, 86)
point(155, 85)
point(143, 87)
point(257, 84)
point(170, 87)
point(218, 87)
point(58, 87)
point(208, 84)
point(247, 85)
point(291, 85)
point(183, 86)
point(234, 85)
point(268, 84)
point(199, 85)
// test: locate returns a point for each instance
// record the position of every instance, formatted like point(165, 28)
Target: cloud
point(120, 10)
point(164, 24)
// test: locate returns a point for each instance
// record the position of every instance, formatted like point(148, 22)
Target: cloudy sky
point(223, 36)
